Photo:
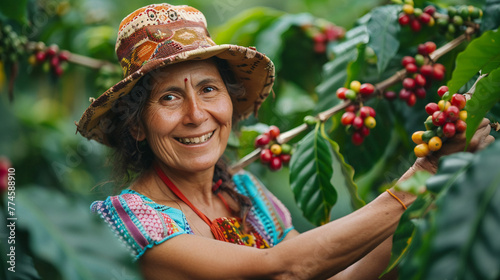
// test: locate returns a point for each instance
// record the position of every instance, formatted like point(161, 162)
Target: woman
point(169, 121)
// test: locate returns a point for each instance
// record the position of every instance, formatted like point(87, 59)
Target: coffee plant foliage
point(329, 175)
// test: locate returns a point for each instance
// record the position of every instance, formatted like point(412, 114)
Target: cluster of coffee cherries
point(273, 154)
point(419, 75)
point(446, 118)
point(454, 23)
point(322, 33)
point(416, 17)
point(51, 58)
point(12, 45)
point(357, 119)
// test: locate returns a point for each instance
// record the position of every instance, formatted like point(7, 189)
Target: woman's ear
point(138, 132)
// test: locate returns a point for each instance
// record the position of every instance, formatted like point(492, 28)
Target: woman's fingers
point(482, 137)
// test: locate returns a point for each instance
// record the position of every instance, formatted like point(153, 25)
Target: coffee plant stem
point(379, 89)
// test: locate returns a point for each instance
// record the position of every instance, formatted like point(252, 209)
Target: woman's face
point(187, 119)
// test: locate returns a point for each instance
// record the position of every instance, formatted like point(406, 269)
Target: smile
point(196, 140)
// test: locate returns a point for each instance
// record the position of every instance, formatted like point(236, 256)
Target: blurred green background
point(59, 173)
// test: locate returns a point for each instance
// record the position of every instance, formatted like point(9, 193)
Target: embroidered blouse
point(141, 223)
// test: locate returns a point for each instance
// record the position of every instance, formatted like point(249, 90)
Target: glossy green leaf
point(244, 28)
point(70, 242)
point(15, 10)
point(270, 40)
point(310, 177)
point(462, 242)
point(343, 174)
point(486, 95)
point(383, 30)
point(490, 19)
point(481, 53)
point(414, 183)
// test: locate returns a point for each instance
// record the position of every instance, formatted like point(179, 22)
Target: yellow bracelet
point(397, 198)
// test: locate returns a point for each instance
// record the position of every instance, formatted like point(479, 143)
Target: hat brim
point(253, 69)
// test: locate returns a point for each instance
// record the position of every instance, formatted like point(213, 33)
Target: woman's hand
point(480, 140)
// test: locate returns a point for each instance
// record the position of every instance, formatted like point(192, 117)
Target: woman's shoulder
point(139, 221)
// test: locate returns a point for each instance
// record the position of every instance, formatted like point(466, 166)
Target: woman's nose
point(195, 114)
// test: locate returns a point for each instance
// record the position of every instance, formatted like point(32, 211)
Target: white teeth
point(196, 140)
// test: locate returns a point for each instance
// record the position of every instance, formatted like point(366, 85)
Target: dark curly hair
point(130, 157)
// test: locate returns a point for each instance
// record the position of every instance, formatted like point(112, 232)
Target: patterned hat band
point(160, 31)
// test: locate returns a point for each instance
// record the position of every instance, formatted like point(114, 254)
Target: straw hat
point(159, 35)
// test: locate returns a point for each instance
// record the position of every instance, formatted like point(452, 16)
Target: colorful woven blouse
point(141, 223)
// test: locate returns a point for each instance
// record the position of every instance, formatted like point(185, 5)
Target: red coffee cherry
point(357, 139)
point(404, 94)
point(403, 19)
point(438, 118)
point(411, 68)
point(415, 25)
point(411, 100)
point(390, 95)
point(452, 113)
point(274, 131)
point(449, 130)
point(442, 90)
point(426, 70)
point(275, 164)
point(366, 89)
point(358, 122)
point(458, 100)
point(341, 93)
point(266, 155)
point(408, 60)
point(420, 80)
point(285, 158)
point(460, 126)
point(262, 140)
point(430, 47)
point(365, 131)
point(409, 83)
point(347, 118)
point(420, 93)
point(431, 108)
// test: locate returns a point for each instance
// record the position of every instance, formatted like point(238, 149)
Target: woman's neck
point(196, 186)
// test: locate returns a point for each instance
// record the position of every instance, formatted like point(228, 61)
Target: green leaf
point(244, 28)
point(463, 240)
point(310, 177)
point(70, 242)
point(15, 10)
point(343, 174)
point(490, 19)
point(481, 53)
point(270, 41)
point(486, 95)
point(383, 30)
point(414, 183)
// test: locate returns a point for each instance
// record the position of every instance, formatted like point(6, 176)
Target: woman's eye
point(168, 97)
point(208, 89)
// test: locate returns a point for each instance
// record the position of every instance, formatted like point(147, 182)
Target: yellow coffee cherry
point(463, 115)
point(355, 85)
point(421, 150)
point(443, 105)
point(370, 122)
point(408, 9)
point(435, 143)
point(416, 137)
point(276, 149)
point(431, 22)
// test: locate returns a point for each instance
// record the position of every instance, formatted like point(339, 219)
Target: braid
point(221, 173)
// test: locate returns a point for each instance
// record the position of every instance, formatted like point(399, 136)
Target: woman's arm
point(317, 254)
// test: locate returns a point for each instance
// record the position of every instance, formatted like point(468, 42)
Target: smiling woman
point(169, 122)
